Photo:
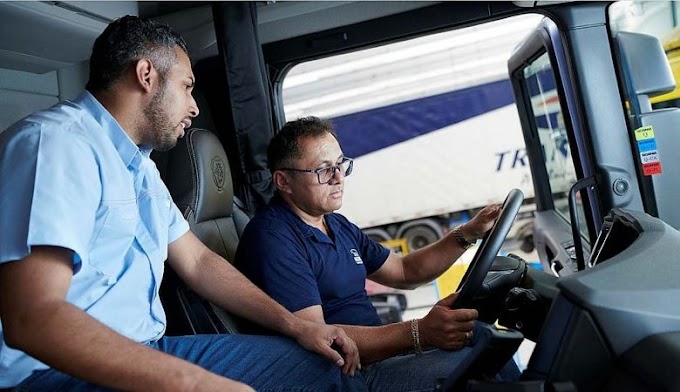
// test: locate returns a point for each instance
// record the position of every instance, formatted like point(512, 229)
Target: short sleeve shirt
point(300, 266)
point(71, 177)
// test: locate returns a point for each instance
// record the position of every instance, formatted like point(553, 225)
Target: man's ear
point(281, 181)
point(146, 75)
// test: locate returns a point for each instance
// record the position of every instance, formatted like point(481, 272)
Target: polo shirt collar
point(129, 152)
point(306, 230)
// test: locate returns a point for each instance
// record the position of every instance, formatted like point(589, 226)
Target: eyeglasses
point(325, 174)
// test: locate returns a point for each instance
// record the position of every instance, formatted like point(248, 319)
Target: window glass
point(435, 136)
point(653, 113)
point(657, 18)
point(549, 123)
point(429, 116)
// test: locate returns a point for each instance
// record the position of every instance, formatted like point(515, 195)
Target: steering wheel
point(487, 251)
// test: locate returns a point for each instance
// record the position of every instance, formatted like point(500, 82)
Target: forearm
point(69, 340)
point(378, 343)
point(221, 283)
point(428, 263)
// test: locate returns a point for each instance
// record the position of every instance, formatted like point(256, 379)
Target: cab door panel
point(554, 243)
point(556, 148)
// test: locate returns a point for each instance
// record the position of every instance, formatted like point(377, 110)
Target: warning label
point(649, 154)
point(651, 168)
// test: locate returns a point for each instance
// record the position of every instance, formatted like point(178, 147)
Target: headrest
point(198, 176)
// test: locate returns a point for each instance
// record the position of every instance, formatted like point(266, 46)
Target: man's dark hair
point(126, 41)
point(285, 146)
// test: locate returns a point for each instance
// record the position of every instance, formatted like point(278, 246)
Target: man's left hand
point(322, 338)
point(481, 223)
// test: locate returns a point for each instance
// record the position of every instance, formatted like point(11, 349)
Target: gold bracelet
point(415, 337)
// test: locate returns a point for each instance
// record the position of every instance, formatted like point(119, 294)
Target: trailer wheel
point(378, 235)
point(420, 236)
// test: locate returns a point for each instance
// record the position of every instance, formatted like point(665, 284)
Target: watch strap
point(460, 238)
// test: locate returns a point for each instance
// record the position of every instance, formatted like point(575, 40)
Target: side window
point(431, 125)
point(659, 19)
point(550, 126)
point(557, 148)
point(647, 36)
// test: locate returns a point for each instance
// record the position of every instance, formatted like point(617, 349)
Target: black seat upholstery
point(198, 177)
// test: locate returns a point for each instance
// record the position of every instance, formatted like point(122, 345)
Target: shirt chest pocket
point(114, 239)
point(154, 211)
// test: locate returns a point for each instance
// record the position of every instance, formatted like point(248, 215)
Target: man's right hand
point(446, 328)
point(320, 338)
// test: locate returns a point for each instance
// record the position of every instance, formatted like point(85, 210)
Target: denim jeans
point(432, 369)
point(411, 373)
point(266, 363)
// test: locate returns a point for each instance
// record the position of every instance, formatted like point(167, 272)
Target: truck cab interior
point(602, 310)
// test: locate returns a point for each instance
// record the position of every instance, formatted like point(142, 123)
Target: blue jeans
point(412, 373)
point(266, 363)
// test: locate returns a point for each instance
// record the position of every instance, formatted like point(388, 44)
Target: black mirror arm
point(575, 224)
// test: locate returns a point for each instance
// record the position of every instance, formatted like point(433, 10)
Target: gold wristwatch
point(460, 238)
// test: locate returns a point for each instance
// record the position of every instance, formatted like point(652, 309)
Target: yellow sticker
point(646, 132)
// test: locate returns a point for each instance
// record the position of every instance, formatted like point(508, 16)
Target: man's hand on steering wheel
point(446, 328)
point(481, 223)
point(490, 245)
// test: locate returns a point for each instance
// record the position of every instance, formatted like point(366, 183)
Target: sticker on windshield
point(649, 154)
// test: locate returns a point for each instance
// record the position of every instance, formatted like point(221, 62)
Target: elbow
point(410, 282)
point(412, 278)
point(12, 330)
point(407, 286)
point(21, 330)
point(14, 335)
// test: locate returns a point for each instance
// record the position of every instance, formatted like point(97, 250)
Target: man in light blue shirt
point(86, 227)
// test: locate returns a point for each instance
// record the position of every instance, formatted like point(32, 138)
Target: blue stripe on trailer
point(371, 130)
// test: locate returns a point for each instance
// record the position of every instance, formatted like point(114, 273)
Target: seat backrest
point(198, 176)
point(199, 179)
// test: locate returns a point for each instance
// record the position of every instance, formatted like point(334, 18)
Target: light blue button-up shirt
point(71, 177)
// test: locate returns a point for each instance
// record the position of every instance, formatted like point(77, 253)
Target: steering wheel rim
point(488, 249)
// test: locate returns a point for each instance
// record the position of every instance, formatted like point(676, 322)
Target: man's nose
point(338, 175)
point(193, 109)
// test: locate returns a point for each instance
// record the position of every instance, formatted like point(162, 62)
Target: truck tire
point(420, 236)
point(378, 235)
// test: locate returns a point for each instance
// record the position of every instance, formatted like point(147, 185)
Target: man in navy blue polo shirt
point(315, 263)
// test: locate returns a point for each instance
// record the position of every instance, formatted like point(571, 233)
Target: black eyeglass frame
point(320, 170)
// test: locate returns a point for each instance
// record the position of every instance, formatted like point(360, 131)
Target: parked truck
point(397, 191)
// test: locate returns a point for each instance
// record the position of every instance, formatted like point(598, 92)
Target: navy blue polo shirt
point(300, 266)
